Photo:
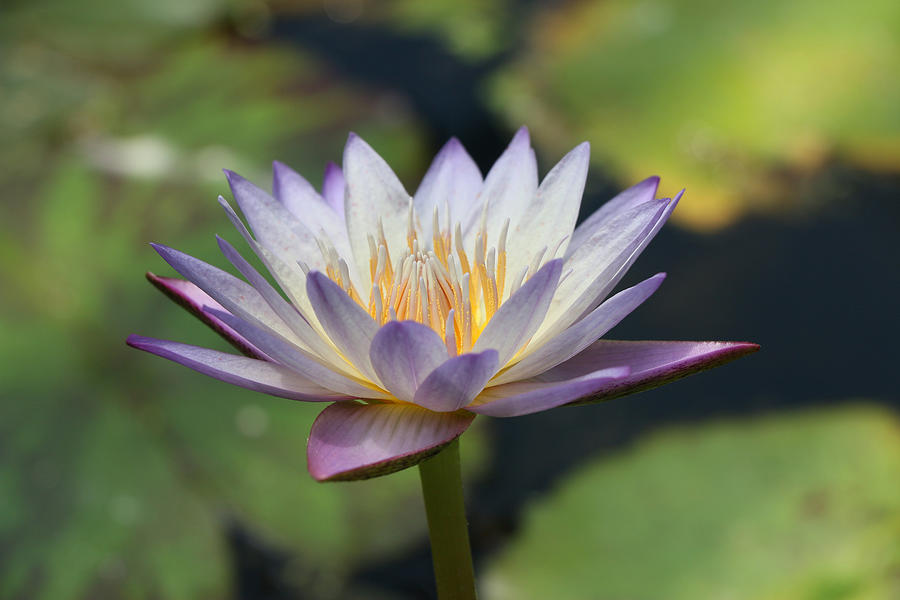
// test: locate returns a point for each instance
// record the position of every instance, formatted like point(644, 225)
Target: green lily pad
point(719, 97)
point(799, 506)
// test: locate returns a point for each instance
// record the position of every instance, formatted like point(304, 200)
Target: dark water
point(818, 291)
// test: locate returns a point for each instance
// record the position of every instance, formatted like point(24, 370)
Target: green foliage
point(790, 507)
point(712, 96)
point(121, 472)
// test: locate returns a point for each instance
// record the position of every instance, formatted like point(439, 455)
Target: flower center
point(454, 292)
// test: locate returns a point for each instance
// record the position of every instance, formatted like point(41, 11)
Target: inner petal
point(436, 282)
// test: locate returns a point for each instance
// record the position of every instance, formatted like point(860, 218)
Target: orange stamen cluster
point(442, 286)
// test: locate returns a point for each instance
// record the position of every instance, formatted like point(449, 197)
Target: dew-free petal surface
point(453, 180)
point(348, 325)
point(193, 299)
point(457, 382)
point(520, 316)
point(373, 194)
point(258, 375)
point(531, 396)
point(351, 441)
point(403, 353)
point(652, 363)
point(583, 333)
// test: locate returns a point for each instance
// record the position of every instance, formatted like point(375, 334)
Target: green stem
point(447, 527)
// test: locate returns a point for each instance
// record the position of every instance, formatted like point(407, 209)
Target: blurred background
point(776, 477)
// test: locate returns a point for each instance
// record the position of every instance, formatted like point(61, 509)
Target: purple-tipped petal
point(508, 190)
point(519, 317)
point(348, 325)
point(457, 382)
point(652, 363)
point(288, 313)
point(639, 193)
point(274, 226)
point(261, 376)
point(310, 209)
point(236, 296)
point(333, 187)
point(531, 396)
point(351, 441)
point(403, 353)
point(373, 195)
point(293, 190)
point(607, 255)
point(193, 299)
point(551, 215)
point(453, 181)
point(583, 333)
point(299, 360)
point(289, 275)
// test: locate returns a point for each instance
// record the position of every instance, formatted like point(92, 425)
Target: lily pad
point(796, 506)
point(719, 97)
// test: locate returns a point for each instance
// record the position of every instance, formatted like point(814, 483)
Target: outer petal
point(299, 361)
point(289, 275)
point(639, 193)
point(583, 333)
point(526, 397)
point(293, 190)
point(357, 441)
point(288, 313)
point(453, 181)
point(509, 188)
point(333, 186)
point(261, 376)
point(652, 363)
point(310, 209)
point(275, 226)
point(193, 299)
point(348, 325)
point(455, 383)
point(551, 215)
point(519, 317)
point(599, 263)
point(236, 296)
point(373, 194)
point(403, 353)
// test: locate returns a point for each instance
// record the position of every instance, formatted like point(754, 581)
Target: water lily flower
point(412, 315)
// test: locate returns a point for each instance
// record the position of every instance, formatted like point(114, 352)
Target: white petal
point(508, 190)
point(452, 180)
point(639, 193)
point(551, 215)
point(582, 334)
point(288, 313)
point(519, 317)
point(600, 262)
point(373, 193)
point(275, 226)
point(313, 212)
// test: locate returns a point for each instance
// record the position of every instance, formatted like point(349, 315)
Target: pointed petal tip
point(163, 250)
point(136, 341)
